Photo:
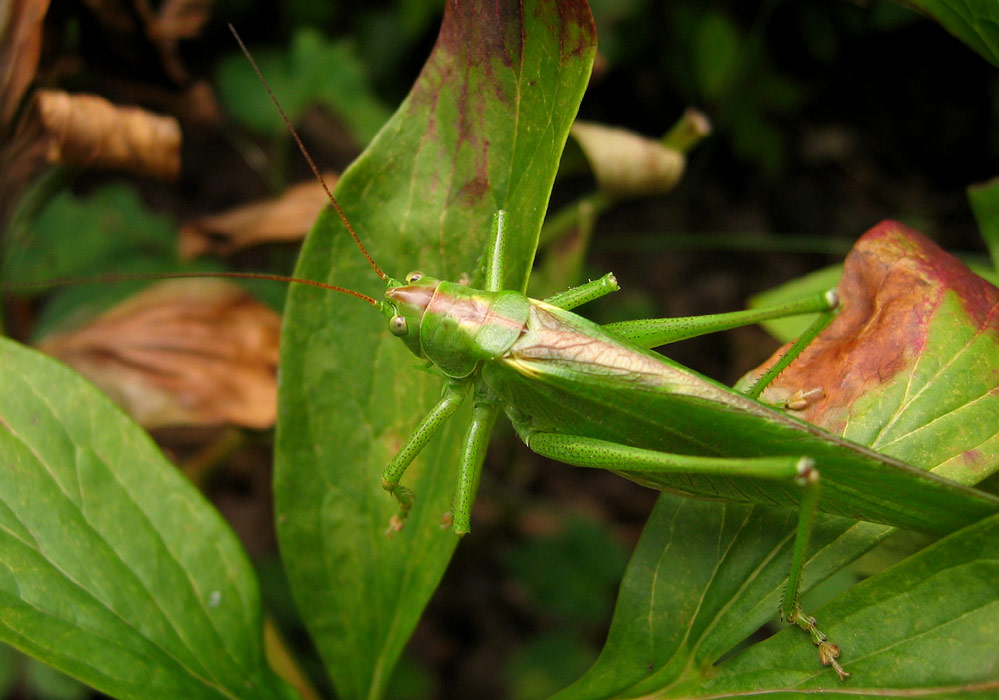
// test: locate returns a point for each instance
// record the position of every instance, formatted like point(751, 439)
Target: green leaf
point(481, 130)
point(84, 236)
point(984, 199)
point(113, 567)
point(924, 628)
point(908, 367)
point(716, 53)
point(314, 70)
point(106, 231)
point(975, 22)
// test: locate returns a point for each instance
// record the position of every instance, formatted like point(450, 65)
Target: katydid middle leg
point(655, 332)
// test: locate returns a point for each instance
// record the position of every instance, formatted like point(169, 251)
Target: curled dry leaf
point(88, 131)
point(910, 365)
point(20, 48)
point(182, 352)
point(626, 164)
point(285, 218)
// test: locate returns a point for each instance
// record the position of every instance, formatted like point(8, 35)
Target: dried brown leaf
point(285, 218)
point(182, 352)
point(626, 164)
point(88, 131)
point(20, 48)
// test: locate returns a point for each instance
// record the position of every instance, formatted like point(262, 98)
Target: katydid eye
point(398, 326)
point(413, 277)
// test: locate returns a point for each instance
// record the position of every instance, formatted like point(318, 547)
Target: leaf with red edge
point(910, 365)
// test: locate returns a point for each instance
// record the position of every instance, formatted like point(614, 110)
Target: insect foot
point(828, 652)
point(405, 499)
point(802, 399)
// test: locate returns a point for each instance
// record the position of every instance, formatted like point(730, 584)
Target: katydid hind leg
point(790, 609)
point(582, 451)
point(595, 453)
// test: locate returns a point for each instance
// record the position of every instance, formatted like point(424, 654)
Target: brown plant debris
point(626, 164)
point(20, 49)
point(182, 352)
point(90, 132)
point(286, 218)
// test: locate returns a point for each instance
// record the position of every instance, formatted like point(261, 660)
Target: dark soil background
point(829, 117)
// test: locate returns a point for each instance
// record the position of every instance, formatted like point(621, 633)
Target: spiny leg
point(577, 296)
point(654, 332)
point(591, 452)
point(790, 608)
point(495, 264)
point(431, 424)
point(797, 347)
point(470, 469)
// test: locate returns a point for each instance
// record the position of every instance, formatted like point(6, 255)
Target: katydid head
point(452, 325)
point(406, 305)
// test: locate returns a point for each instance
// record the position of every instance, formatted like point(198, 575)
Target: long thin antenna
point(308, 158)
point(129, 277)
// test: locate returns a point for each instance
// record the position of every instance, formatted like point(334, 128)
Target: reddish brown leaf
point(20, 47)
point(285, 218)
point(182, 352)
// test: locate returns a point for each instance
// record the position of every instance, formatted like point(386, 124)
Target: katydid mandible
point(597, 396)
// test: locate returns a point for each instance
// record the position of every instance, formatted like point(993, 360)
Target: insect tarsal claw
point(807, 473)
point(396, 524)
point(828, 653)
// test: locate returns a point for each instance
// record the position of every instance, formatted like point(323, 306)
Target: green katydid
point(595, 396)
point(598, 397)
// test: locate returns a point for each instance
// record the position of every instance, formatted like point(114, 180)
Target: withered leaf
point(88, 131)
point(285, 218)
point(626, 164)
point(182, 352)
point(20, 48)
point(910, 366)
